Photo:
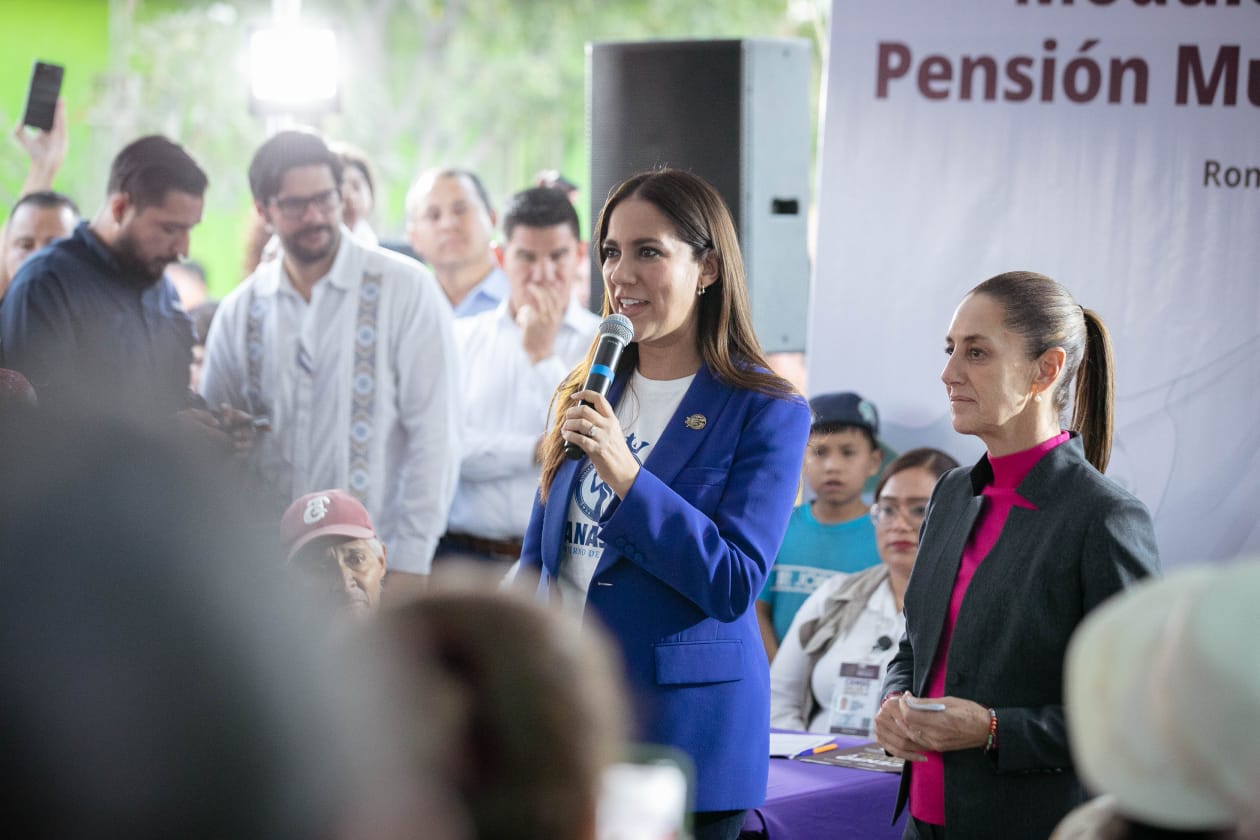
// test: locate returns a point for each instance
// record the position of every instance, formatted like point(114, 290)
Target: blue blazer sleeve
point(685, 554)
point(723, 528)
point(531, 545)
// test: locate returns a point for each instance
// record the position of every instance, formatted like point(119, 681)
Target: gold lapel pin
point(696, 421)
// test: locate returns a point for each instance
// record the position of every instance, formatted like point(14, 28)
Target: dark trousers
point(717, 825)
point(919, 830)
point(492, 552)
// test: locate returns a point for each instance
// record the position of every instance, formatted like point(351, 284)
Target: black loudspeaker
point(735, 113)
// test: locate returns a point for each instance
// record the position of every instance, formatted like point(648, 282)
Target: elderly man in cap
point(330, 539)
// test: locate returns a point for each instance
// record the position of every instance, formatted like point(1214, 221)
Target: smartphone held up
point(41, 96)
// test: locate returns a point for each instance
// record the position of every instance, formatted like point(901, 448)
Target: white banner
point(1112, 144)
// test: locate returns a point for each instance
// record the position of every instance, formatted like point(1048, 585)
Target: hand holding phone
point(243, 428)
point(923, 705)
point(41, 96)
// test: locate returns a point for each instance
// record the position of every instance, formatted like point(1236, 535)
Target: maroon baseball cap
point(324, 513)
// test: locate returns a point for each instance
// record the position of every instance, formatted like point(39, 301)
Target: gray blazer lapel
point(941, 569)
point(1022, 546)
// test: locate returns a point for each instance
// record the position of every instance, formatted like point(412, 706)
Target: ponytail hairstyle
point(728, 344)
point(1046, 315)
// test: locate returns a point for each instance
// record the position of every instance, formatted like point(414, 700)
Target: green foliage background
point(494, 85)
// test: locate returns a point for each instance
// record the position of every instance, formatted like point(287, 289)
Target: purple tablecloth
point(808, 801)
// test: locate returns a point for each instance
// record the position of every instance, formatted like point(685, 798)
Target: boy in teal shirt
point(833, 533)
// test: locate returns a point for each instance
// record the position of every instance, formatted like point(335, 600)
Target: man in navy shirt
point(91, 320)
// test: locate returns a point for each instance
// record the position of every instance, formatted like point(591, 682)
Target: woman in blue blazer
point(1013, 553)
point(666, 527)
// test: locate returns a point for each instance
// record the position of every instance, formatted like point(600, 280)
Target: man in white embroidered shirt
point(514, 357)
point(348, 350)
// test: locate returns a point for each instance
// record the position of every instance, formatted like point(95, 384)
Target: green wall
point(73, 33)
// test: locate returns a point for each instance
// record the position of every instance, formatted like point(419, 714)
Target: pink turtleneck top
point(927, 780)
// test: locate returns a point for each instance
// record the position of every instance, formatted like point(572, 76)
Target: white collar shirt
point(360, 384)
point(506, 398)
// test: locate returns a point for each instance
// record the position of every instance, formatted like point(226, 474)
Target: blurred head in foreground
point(157, 678)
point(1163, 698)
point(536, 701)
point(16, 393)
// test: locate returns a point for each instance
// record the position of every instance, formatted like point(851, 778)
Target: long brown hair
point(728, 344)
point(1046, 315)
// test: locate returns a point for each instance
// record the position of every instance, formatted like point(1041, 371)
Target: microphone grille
point(618, 325)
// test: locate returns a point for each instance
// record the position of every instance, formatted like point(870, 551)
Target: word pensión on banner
point(1203, 77)
point(1107, 143)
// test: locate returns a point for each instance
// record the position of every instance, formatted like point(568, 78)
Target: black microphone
point(615, 332)
point(883, 643)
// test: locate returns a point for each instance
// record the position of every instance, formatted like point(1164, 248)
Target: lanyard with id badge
point(855, 698)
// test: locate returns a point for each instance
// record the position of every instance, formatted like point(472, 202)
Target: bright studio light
point(293, 70)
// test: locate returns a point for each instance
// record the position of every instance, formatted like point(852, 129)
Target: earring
point(1037, 398)
point(700, 291)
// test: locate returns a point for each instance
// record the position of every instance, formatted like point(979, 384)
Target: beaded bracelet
point(991, 745)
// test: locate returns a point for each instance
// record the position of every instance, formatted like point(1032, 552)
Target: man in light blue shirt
point(450, 223)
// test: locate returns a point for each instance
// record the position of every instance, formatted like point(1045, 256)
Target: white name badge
point(855, 699)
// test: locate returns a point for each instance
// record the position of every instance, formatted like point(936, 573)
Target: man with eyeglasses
point(347, 350)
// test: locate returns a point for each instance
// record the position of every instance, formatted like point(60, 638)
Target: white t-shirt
point(643, 412)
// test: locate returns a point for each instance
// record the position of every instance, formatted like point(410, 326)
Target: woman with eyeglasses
point(1013, 554)
point(855, 619)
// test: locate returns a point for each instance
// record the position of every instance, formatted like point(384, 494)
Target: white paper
point(788, 744)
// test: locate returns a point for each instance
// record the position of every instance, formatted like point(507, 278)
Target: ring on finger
point(590, 430)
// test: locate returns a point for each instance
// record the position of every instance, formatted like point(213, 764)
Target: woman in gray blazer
point(1014, 552)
